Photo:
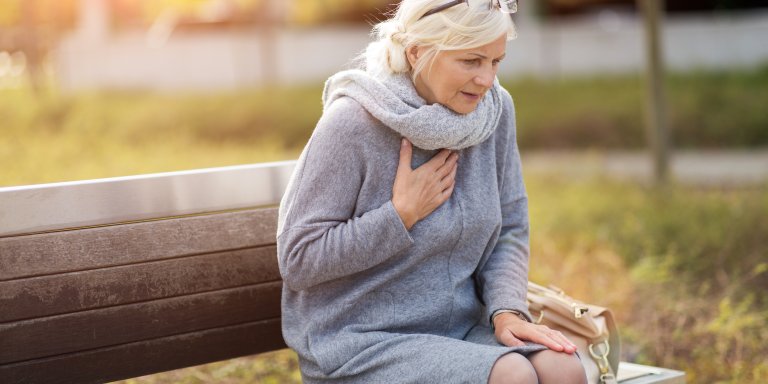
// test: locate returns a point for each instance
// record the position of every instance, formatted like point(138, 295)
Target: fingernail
point(402, 142)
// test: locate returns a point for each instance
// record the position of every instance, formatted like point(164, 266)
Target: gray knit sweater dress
point(367, 301)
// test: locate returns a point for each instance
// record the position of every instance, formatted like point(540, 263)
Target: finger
point(406, 153)
point(446, 167)
point(507, 338)
point(439, 159)
point(446, 194)
point(449, 179)
point(562, 340)
point(558, 337)
point(575, 347)
point(541, 335)
point(441, 197)
point(547, 339)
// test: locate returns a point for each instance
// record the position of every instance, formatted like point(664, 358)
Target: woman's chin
point(463, 108)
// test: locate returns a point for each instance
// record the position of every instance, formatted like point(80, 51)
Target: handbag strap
point(614, 339)
point(599, 353)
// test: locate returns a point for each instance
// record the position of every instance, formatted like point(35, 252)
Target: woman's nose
point(485, 78)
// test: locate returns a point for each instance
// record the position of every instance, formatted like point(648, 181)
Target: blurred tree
point(48, 13)
point(238, 10)
point(656, 114)
point(32, 27)
point(153, 9)
point(29, 42)
point(9, 12)
point(568, 7)
point(307, 12)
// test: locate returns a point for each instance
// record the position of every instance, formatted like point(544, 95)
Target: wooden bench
point(109, 279)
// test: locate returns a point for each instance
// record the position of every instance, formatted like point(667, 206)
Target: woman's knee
point(557, 367)
point(512, 368)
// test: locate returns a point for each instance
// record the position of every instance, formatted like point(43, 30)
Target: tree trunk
point(656, 118)
point(30, 43)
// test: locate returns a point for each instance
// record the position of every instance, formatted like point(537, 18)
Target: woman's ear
point(412, 54)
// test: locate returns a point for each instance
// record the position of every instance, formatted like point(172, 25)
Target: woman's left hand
point(513, 331)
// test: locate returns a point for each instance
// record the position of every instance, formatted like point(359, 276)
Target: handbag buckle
point(602, 357)
point(607, 378)
point(579, 310)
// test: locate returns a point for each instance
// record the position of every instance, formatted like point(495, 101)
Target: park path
point(695, 167)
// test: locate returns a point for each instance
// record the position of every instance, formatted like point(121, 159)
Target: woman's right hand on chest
point(418, 192)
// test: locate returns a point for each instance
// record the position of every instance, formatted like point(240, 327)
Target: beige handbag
point(590, 327)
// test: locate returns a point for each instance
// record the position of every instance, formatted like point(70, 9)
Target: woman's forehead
point(494, 49)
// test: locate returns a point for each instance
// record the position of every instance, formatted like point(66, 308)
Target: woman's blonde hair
point(458, 27)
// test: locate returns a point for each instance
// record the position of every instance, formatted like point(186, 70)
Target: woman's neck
point(423, 90)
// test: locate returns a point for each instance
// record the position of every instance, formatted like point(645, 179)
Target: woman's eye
point(471, 61)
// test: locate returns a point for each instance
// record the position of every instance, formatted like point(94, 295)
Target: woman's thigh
point(554, 367)
point(513, 368)
point(415, 359)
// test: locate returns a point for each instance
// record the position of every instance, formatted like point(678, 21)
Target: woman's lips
point(471, 96)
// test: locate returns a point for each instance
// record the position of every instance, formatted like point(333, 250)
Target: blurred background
point(103, 88)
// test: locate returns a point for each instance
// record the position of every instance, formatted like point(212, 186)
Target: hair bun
point(395, 31)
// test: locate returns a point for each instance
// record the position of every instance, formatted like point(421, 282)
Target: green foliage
point(709, 109)
point(694, 269)
point(705, 110)
point(117, 134)
point(601, 112)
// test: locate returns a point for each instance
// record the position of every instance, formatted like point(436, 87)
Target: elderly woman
point(403, 235)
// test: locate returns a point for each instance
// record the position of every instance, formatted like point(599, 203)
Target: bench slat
point(141, 358)
point(136, 322)
point(57, 252)
point(71, 292)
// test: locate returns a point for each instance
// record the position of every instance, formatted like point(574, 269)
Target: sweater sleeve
point(503, 278)
point(319, 237)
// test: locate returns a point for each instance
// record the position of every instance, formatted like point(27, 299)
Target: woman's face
point(459, 79)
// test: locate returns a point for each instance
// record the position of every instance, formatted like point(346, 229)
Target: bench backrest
point(109, 301)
